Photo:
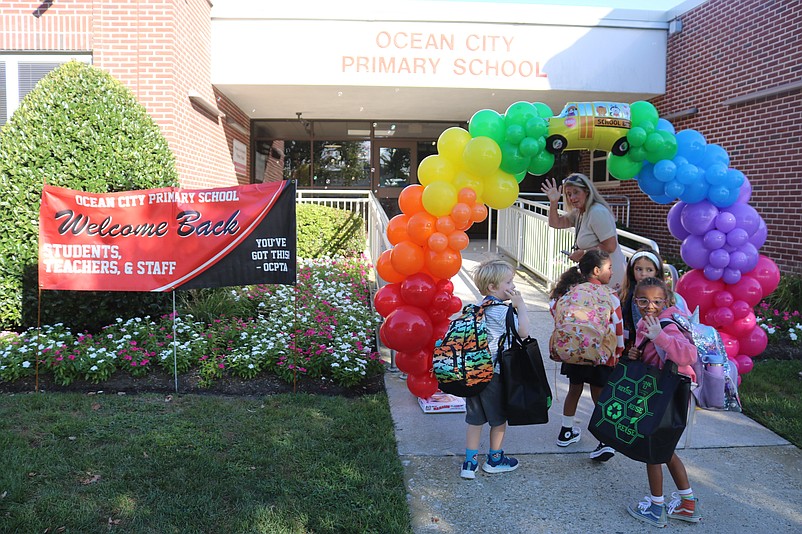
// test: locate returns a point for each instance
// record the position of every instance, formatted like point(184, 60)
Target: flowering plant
point(780, 326)
point(322, 328)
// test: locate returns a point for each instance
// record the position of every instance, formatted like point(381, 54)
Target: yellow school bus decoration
point(590, 126)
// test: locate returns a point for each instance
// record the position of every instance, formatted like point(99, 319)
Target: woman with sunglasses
point(591, 217)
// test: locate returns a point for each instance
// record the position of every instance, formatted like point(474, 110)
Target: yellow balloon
point(435, 168)
point(501, 190)
point(481, 156)
point(466, 179)
point(439, 198)
point(451, 144)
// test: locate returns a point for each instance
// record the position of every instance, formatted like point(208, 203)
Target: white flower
point(26, 364)
point(93, 368)
point(793, 336)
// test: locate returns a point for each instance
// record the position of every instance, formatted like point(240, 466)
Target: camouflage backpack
point(582, 334)
point(462, 361)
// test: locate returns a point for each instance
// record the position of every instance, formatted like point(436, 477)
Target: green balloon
point(642, 111)
point(636, 137)
point(512, 160)
point(537, 127)
point(541, 164)
point(669, 149)
point(529, 147)
point(543, 110)
point(519, 112)
point(622, 167)
point(487, 123)
point(637, 153)
point(515, 133)
point(654, 142)
point(520, 176)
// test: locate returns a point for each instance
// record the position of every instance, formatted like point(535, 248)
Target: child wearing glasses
point(654, 344)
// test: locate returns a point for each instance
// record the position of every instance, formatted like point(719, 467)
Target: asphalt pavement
point(747, 478)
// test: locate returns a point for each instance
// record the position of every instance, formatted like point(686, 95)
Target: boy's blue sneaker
point(468, 470)
point(649, 512)
point(499, 463)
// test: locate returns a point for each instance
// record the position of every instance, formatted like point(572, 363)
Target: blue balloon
point(716, 173)
point(648, 183)
point(688, 173)
point(665, 170)
point(715, 154)
point(718, 195)
point(735, 178)
point(694, 192)
point(663, 124)
point(691, 145)
point(662, 199)
point(679, 161)
point(674, 189)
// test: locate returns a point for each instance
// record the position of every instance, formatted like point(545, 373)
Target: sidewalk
point(747, 478)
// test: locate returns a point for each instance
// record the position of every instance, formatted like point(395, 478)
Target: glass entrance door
point(395, 166)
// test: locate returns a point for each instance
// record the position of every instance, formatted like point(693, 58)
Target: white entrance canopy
point(430, 60)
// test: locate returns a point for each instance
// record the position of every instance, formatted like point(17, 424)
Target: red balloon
point(414, 363)
point(418, 290)
point(441, 300)
point(698, 290)
point(745, 364)
point(754, 343)
point(382, 338)
point(387, 299)
point(422, 385)
point(741, 327)
point(445, 285)
point(438, 314)
point(407, 328)
point(731, 345)
point(439, 330)
point(767, 273)
point(456, 304)
point(747, 289)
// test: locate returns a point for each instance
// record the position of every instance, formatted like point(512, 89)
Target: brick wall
point(160, 49)
point(728, 49)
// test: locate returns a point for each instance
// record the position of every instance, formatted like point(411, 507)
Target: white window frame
point(12, 62)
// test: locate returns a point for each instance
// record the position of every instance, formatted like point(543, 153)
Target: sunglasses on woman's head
point(576, 181)
point(644, 302)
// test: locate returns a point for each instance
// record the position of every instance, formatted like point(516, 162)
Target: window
point(20, 73)
point(598, 166)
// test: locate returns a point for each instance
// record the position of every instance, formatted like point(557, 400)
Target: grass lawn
point(772, 395)
point(195, 463)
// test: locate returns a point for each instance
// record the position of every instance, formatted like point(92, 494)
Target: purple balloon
point(737, 237)
point(699, 218)
point(752, 255)
point(693, 252)
point(738, 261)
point(731, 276)
point(718, 258)
point(713, 273)
point(725, 221)
point(746, 217)
point(675, 222)
point(759, 237)
point(714, 239)
point(745, 193)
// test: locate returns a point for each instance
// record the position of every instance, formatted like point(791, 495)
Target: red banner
point(166, 239)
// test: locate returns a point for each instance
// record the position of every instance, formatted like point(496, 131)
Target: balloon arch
point(720, 232)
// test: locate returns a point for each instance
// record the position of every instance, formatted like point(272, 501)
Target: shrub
point(81, 129)
point(325, 231)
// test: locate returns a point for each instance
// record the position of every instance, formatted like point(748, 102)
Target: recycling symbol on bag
point(614, 410)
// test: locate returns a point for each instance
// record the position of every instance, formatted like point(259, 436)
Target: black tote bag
point(642, 411)
point(526, 388)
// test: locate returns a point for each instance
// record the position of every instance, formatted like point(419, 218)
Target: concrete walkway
point(747, 478)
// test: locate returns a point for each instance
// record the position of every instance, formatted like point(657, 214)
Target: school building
point(354, 94)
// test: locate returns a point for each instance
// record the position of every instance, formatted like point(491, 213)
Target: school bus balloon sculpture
point(481, 167)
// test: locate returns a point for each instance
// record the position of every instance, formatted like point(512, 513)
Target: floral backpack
point(582, 326)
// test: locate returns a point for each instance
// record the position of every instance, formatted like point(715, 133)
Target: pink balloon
point(745, 364)
point(731, 345)
point(741, 327)
point(407, 328)
point(740, 309)
point(698, 290)
point(754, 343)
point(748, 289)
point(723, 299)
point(422, 385)
point(418, 290)
point(767, 273)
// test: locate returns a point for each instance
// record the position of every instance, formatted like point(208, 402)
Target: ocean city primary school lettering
point(424, 65)
point(180, 197)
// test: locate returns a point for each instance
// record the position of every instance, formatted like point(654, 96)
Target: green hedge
point(326, 231)
point(81, 129)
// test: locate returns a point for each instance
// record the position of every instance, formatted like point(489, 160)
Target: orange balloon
point(443, 264)
point(420, 227)
point(464, 226)
point(407, 258)
point(445, 224)
point(438, 242)
point(461, 213)
point(397, 229)
point(467, 196)
point(458, 240)
point(478, 212)
point(410, 199)
point(385, 268)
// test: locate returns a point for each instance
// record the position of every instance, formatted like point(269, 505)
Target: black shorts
point(595, 375)
point(487, 406)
